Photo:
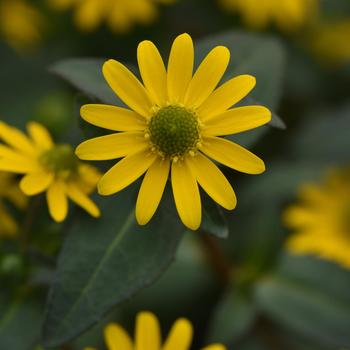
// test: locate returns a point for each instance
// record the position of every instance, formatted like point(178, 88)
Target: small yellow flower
point(119, 14)
point(288, 15)
point(48, 167)
point(175, 122)
point(321, 219)
point(20, 24)
point(9, 192)
point(148, 336)
point(330, 42)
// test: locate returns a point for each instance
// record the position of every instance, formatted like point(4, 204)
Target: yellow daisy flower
point(9, 192)
point(20, 24)
point(321, 219)
point(119, 14)
point(48, 167)
point(288, 15)
point(334, 35)
point(174, 123)
point(148, 336)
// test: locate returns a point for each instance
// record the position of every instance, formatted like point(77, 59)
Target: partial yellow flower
point(175, 123)
point(288, 15)
point(120, 15)
point(330, 42)
point(49, 168)
point(321, 219)
point(9, 192)
point(148, 336)
point(20, 24)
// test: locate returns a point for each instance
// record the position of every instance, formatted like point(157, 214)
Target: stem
point(216, 257)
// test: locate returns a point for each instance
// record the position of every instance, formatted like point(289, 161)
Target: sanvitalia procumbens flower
point(175, 124)
point(49, 168)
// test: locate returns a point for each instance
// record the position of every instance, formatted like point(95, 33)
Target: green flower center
point(174, 131)
point(60, 159)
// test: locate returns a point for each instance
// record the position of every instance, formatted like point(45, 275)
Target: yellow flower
point(48, 167)
point(119, 14)
point(148, 336)
point(288, 15)
point(174, 123)
point(321, 219)
point(330, 42)
point(9, 192)
point(20, 24)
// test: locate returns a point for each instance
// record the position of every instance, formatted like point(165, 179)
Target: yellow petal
point(237, 120)
point(15, 162)
point(147, 332)
point(226, 96)
point(186, 195)
point(127, 87)
point(125, 172)
point(180, 67)
point(207, 76)
point(116, 338)
point(112, 117)
point(180, 336)
point(152, 71)
point(215, 347)
point(111, 146)
point(151, 190)
point(37, 182)
point(81, 199)
point(40, 136)
point(8, 226)
point(232, 155)
point(57, 201)
point(212, 181)
point(16, 139)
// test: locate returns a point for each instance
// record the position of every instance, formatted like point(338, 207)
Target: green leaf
point(260, 56)
point(233, 318)
point(309, 296)
point(313, 141)
point(20, 322)
point(214, 221)
point(86, 75)
point(106, 261)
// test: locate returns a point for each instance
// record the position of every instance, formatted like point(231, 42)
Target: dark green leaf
point(20, 322)
point(106, 261)
point(233, 317)
point(86, 75)
point(310, 297)
point(214, 221)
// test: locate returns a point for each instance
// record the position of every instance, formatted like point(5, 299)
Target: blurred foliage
point(234, 279)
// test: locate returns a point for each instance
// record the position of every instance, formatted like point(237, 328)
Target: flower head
point(335, 35)
point(148, 336)
point(288, 15)
point(20, 23)
point(9, 192)
point(321, 219)
point(174, 124)
point(48, 167)
point(119, 14)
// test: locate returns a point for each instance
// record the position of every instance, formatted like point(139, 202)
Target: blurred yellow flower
point(9, 192)
point(148, 336)
point(288, 15)
point(48, 167)
point(330, 42)
point(321, 219)
point(120, 15)
point(175, 123)
point(20, 24)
